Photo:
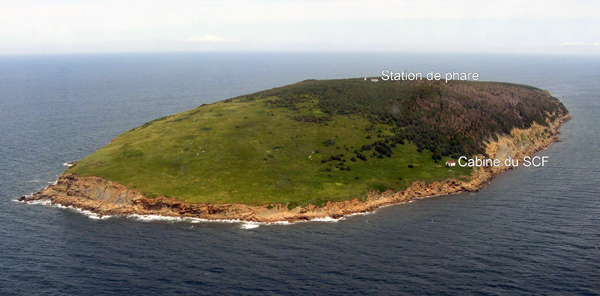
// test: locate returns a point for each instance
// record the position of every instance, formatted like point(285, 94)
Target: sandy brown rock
point(106, 197)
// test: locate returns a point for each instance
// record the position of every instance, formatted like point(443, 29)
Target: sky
point(523, 26)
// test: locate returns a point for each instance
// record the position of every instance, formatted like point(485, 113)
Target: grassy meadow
point(247, 150)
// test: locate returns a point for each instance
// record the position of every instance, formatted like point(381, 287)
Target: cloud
point(580, 44)
point(210, 39)
point(75, 26)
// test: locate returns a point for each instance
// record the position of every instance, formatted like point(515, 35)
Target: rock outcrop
point(105, 197)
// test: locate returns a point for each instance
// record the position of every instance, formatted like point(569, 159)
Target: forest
point(449, 119)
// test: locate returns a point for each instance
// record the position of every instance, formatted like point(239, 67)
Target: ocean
point(532, 231)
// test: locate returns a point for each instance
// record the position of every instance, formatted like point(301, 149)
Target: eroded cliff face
point(106, 197)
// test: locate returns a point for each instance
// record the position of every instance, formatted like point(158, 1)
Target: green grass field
point(243, 151)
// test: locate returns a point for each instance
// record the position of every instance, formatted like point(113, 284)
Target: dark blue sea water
point(533, 231)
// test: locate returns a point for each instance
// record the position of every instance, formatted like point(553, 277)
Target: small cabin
point(450, 163)
point(374, 80)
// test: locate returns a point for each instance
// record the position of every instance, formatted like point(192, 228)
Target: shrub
point(329, 142)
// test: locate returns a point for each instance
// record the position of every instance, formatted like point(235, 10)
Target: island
point(314, 149)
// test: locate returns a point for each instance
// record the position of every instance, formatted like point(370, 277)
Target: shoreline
point(107, 198)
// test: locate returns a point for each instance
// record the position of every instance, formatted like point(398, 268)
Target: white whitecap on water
point(52, 182)
point(89, 214)
point(326, 219)
point(279, 223)
point(93, 215)
point(68, 164)
point(153, 218)
point(47, 202)
point(150, 218)
point(44, 202)
point(243, 224)
point(249, 225)
point(321, 219)
point(358, 214)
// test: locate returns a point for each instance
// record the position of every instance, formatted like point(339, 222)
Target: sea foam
point(171, 219)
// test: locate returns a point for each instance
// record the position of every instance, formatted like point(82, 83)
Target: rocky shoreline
point(104, 197)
